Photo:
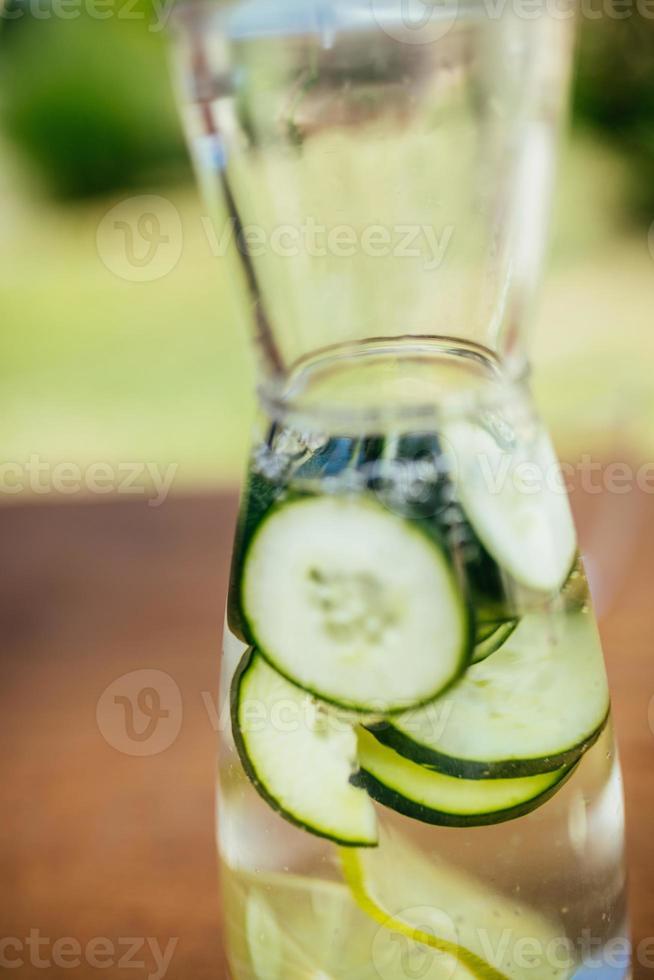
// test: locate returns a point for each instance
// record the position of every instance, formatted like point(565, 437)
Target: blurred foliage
point(88, 100)
point(614, 91)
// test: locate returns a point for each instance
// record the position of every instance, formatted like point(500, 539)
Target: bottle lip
point(503, 386)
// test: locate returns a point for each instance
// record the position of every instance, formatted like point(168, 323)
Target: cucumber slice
point(492, 636)
point(536, 705)
point(511, 500)
point(485, 629)
point(431, 461)
point(411, 475)
point(447, 801)
point(355, 604)
point(299, 758)
point(258, 496)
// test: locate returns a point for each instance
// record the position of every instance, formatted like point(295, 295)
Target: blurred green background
point(94, 366)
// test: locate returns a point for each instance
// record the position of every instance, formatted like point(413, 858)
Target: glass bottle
point(419, 777)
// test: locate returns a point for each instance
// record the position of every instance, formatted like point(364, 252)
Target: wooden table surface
point(96, 842)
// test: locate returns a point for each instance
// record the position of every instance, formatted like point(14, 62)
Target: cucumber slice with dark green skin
point(354, 604)
point(448, 801)
point(485, 630)
point(415, 478)
point(299, 758)
point(534, 707)
point(484, 579)
point(259, 495)
point(411, 475)
point(492, 636)
point(511, 496)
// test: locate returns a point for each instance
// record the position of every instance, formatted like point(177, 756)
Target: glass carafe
point(419, 778)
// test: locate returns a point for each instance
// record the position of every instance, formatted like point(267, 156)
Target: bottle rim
point(503, 386)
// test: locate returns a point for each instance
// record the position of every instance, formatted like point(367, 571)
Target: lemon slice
point(473, 931)
point(400, 915)
point(436, 924)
